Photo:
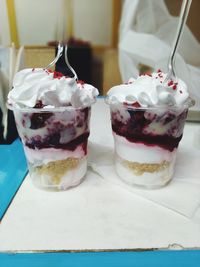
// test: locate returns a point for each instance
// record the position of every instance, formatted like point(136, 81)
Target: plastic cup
point(55, 144)
point(146, 142)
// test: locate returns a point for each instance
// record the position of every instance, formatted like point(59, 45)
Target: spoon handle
point(182, 19)
point(69, 66)
point(59, 54)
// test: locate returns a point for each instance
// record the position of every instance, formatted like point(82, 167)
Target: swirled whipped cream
point(52, 89)
point(150, 90)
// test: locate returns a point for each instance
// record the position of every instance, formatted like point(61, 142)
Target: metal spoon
point(182, 19)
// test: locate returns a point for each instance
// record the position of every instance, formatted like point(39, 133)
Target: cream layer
point(42, 156)
point(138, 152)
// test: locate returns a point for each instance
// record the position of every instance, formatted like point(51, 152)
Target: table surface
point(95, 215)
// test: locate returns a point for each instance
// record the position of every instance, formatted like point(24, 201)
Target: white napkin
point(182, 195)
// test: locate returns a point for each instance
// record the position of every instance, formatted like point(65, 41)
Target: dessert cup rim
point(43, 110)
point(190, 103)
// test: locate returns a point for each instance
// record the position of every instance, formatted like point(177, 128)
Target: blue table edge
point(116, 258)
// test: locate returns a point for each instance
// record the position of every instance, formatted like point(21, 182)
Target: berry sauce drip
point(134, 129)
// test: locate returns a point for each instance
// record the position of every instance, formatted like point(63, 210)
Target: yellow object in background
point(12, 22)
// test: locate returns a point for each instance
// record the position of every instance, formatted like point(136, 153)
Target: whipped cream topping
point(52, 89)
point(150, 90)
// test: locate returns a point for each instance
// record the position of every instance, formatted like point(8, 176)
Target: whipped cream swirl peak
point(150, 90)
point(52, 89)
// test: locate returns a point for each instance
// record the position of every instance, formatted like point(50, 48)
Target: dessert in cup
point(148, 117)
point(52, 114)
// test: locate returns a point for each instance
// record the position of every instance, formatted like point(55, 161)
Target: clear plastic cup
point(146, 142)
point(55, 144)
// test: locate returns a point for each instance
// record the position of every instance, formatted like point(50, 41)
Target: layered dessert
point(52, 114)
point(148, 116)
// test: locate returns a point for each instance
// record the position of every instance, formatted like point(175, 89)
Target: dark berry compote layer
point(66, 129)
point(150, 127)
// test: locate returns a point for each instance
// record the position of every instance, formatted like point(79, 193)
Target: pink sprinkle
point(81, 83)
point(136, 104)
point(148, 74)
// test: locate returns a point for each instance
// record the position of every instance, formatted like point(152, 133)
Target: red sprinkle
point(143, 74)
point(159, 70)
point(148, 74)
point(170, 83)
point(49, 71)
point(174, 87)
point(39, 104)
point(57, 75)
point(81, 83)
point(136, 104)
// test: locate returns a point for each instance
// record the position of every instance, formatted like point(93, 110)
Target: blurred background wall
point(37, 22)
point(193, 20)
point(40, 21)
point(4, 24)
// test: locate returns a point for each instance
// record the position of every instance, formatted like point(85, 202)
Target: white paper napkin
point(182, 194)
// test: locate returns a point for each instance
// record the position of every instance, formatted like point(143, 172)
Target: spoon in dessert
point(182, 19)
point(69, 66)
point(59, 54)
